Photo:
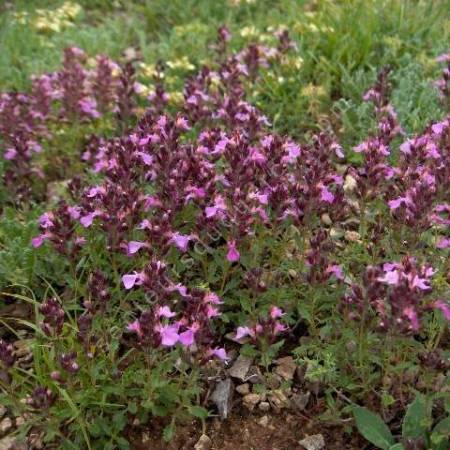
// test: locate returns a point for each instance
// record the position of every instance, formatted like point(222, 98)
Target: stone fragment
point(5, 425)
point(240, 368)
point(352, 236)
point(313, 442)
point(286, 367)
point(255, 376)
point(300, 401)
point(263, 421)
point(264, 406)
point(251, 400)
point(278, 400)
point(7, 443)
point(222, 397)
point(243, 389)
point(204, 443)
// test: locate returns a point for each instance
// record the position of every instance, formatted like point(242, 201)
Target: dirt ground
point(243, 432)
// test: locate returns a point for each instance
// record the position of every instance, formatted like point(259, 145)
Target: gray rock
point(313, 442)
point(240, 368)
point(255, 376)
point(286, 368)
point(243, 389)
point(300, 401)
point(251, 400)
point(264, 406)
point(7, 443)
point(222, 397)
point(204, 443)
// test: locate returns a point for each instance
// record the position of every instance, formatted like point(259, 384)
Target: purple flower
point(336, 270)
point(443, 243)
point(187, 338)
point(275, 312)
point(135, 327)
point(242, 332)
point(391, 278)
point(132, 279)
point(37, 241)
point(134, 246)
point(232, 255)
point(326, 195)
point(169, 334)
point(165, 311)
point(444, 307)
point(87, 220)
point(180, 240)
point(219, 353)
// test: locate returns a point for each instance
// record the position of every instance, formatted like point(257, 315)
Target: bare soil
point(243, 432)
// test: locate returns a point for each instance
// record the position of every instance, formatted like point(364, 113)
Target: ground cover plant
point(217, 182)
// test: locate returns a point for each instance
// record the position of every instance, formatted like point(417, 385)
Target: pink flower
point(169, 334)
point(45, 221)
point(87, 220)
point(165, 311)
point(10, 154)
point(212, 311)
point(444, 307)
point(326, 195)
point(135, 327)
point(37, 241)
point(275, 312)
point(336, 270)
point(219, 353)
point(134, 246)
point(132, 279)
point(242, 332)
point(443, 243)
point(420, 283)
point(187, 338)
point(279, 328)
point(146, 158)
point(182, 290)
point(232, 255)
point(396, 203)
point(411, 314)
point(219, 207)
point(391, 278)
point(211, 297)
point(337, 149)
point(180, 240)
point(89, 107)
point(293, 153)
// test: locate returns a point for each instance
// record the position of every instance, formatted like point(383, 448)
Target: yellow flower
point(250, 31)
point(182, 63)
point(175, 97)
point(311, 90)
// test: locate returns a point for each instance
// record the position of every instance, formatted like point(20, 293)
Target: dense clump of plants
point(188, 222)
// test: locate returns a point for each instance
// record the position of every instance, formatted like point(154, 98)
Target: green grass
point(342, 44)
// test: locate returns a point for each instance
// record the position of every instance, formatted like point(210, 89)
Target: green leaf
point(198, 411)
point(417, 418)
point(397, 447)
point(440, 437)
point(169, 431)
point(132, 407)
point(373, 428)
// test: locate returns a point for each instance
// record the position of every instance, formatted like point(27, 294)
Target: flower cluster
point(397, 293)
point(75, 93)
